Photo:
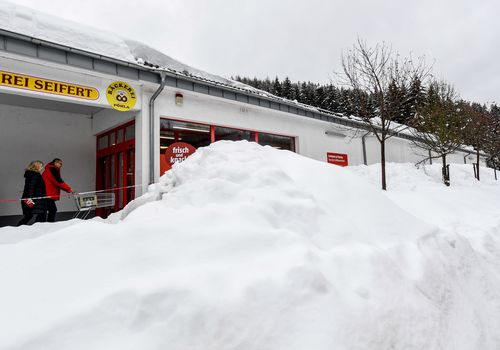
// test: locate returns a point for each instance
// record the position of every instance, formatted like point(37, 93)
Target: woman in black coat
point(34, 207)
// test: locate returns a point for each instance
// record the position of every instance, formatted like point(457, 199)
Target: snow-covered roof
point(26, 21)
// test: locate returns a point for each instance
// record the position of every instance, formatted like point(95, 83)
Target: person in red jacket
point(53, 186)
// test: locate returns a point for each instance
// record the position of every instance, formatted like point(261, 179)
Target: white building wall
point(311, 138)
point(28, 134)
point(372, 150)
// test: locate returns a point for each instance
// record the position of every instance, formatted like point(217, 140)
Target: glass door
point(116, 167)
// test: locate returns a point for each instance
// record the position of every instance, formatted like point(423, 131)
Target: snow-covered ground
point(255, 248)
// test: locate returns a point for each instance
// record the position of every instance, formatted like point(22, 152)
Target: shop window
point(167, 138)
point(115, 138)
point(276, 141)
point(201, 135)
point(130, 132)
point(232, 134)
point(102, 142)
point(112, 139)
point(197, 135)
point(119, 136)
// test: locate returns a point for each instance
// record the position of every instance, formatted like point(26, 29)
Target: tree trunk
point(382, 164)
point(445, 171)
point(477, 153)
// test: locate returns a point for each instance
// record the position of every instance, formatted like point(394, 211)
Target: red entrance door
point(116, 166)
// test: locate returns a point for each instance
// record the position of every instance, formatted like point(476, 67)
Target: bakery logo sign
point(121, 96)
point(54, 87)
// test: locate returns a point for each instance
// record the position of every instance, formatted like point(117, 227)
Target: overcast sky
point(304, 40)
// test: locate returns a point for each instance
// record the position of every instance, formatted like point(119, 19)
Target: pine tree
point(438, 126)
point(302, 98)
point(415, 98)
point(478, 126)
point(319, 97)
point(286, 88)
point(295, 92)
point(332, 99)
point(276, 87)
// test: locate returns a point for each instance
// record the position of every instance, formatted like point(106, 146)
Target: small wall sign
point(340, 159)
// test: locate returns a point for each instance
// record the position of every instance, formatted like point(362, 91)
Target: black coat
point(34, 187)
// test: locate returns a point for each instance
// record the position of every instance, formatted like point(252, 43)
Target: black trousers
point(30, 219)
point(52, 210)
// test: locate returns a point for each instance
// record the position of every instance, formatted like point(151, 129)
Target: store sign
point(121, 96)
point(337, 159)
point(178, 152)
point(28, 82)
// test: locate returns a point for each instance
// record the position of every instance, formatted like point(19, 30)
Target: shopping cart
point(88, 201)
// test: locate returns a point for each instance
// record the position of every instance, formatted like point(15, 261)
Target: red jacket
point(53, 182)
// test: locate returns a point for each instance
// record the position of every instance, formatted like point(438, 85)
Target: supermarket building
point(120, 113)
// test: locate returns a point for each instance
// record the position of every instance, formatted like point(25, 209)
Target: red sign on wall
point(337, 159)
point(175, 153)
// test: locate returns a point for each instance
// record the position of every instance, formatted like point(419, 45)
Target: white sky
point(304, 39)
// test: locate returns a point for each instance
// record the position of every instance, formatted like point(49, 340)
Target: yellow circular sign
point(121, 96)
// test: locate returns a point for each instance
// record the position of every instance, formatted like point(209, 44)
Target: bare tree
point(377, 75)
point(438, 125)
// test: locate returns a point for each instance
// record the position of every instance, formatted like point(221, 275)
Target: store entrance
point(116, 166)
point(37, 129)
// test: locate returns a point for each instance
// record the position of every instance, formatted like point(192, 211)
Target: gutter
point(152, 127)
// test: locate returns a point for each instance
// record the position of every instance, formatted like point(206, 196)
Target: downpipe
point(152, 128)
point(363, 143)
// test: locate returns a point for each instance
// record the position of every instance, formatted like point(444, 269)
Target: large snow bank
point(255, 248)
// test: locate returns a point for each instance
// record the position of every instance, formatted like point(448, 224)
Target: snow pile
point(255, 248)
